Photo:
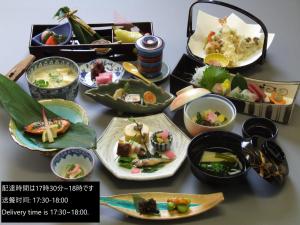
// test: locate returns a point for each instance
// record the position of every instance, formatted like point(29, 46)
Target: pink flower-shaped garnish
point(211, 117)
point(170, 154)
point(135, 170)
point(164, 135)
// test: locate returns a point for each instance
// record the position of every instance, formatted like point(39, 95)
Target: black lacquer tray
point(190, 31)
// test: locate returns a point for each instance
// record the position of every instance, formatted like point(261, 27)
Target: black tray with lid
point(86, 52)
point(190, 31)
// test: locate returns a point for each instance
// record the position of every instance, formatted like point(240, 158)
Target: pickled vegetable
point(127, 36)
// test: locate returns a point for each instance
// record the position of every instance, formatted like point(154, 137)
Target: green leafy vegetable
point(125, 159)
point(125, 162)
point(199, 118)
point(151, 169)
point(239, 81)
point(213, 75)
point(16, 101)
point(41, 83)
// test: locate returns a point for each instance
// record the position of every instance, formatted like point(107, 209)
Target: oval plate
point(104, 95)
point(109, 66)
point(199, 204)
point(66, 109)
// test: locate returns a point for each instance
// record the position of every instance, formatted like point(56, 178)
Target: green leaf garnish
point(213, 75)
point(239, 81)
point(41, 83)
point(16, 101)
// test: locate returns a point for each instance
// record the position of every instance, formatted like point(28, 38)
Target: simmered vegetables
point(49, 37)
point(145, 206)
point(210, 118)
point(222, 163)
point(181, 205)
point(74, 171)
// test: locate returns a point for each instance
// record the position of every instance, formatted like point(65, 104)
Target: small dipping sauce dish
point(149, 55)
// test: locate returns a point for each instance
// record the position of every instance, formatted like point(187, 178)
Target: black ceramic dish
point(218, 140)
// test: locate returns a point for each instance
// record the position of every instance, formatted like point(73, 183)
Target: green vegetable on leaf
point(213, 75)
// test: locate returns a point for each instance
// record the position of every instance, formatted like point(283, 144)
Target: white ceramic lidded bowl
point(72, 155)
point(197, 100)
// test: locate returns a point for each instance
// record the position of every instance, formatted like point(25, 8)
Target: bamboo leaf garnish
point(82, 30)
point(16, 101)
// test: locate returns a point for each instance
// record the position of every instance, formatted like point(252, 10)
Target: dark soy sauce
point(261, 131)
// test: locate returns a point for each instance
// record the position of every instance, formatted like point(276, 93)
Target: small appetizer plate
point(199, 203)
point(107, 147)
point(109, 66)
point(104, 94)
point(164, 73)
point(80, 158)
point(65, 109)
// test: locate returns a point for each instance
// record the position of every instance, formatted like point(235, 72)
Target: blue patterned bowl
point(161, 147)
point(68, 156)
point(68, 92)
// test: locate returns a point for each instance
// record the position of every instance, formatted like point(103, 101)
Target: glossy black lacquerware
point(256, 150)
point(190, 31)
point(216, 140)
point(259, 130)
point(263, 154)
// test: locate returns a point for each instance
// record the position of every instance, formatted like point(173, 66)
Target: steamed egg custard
point(53, 76)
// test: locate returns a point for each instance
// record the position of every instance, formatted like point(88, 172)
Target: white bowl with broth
point(53, 77)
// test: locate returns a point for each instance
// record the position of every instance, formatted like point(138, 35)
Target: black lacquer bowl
point(216, 141)
point(267, 158)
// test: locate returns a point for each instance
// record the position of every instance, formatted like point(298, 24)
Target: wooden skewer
point(17, 71)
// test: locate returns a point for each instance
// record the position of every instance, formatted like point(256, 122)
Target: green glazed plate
point(66, 109)
point(104, 95)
